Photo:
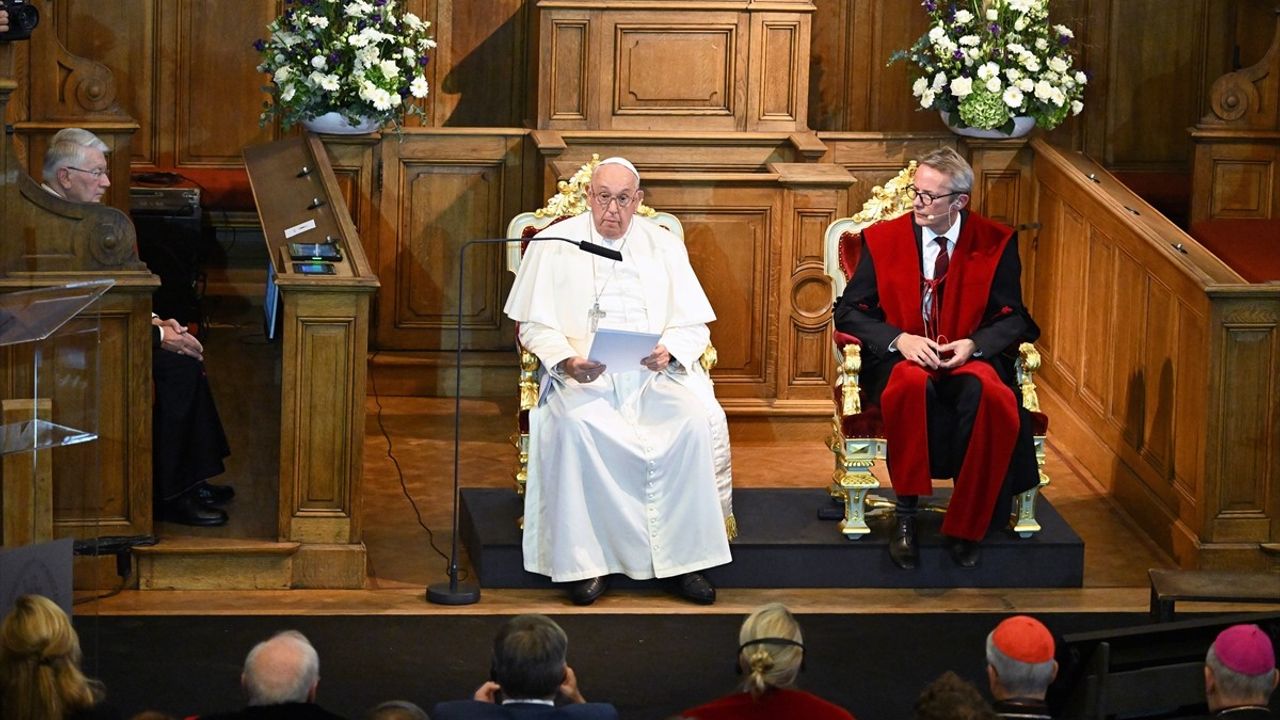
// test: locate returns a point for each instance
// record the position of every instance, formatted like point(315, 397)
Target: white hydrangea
point(969, 40)
point(1013, 97)
point(963, 17)
point(961, 87)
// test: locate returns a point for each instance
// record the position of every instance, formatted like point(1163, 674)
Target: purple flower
point(377, 18)
point(259, 44)
point(334, 57)
point(995, 29)
point(1064, 40)
point(958, 54)
point(379, 3)
point(404, 91)
point(930, 5)
point(424, 60)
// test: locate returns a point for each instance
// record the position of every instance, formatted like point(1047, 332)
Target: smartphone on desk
point(314, 268)
point(315, 252)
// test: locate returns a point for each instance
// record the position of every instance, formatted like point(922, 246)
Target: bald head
point(281, 670)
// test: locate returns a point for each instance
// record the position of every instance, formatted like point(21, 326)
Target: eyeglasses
point(96, 172)
point(603, 199)
point(926, 197)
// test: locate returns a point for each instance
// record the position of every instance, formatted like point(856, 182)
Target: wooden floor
point(418, 434)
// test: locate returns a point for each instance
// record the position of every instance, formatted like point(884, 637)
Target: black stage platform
point(783, 544)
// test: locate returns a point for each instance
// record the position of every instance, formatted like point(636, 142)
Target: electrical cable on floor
point(404, 488)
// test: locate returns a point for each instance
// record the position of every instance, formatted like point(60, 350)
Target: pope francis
point(628, 465)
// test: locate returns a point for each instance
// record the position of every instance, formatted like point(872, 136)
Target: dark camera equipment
point(23, 18)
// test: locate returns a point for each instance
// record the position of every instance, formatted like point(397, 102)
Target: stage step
point(195, 563)
point(783, 544)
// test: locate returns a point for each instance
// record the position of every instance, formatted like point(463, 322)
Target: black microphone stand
point(453, 592)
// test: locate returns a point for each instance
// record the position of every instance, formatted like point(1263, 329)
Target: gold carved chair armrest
point(1027, 364)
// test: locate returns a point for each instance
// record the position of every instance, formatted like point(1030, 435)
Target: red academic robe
point(980, 300)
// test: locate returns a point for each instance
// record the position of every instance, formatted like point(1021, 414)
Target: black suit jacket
point(476, 710)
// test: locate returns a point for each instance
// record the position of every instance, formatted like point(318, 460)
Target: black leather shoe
point(588, 591)
point(211, 494)
point(696, 588)
point(965, 553)
point(902, 546)
point(188, 510)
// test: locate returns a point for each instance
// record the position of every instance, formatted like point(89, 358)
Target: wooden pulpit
point(325, 343)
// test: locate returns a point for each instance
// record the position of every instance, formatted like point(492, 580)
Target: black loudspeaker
point(168, 224)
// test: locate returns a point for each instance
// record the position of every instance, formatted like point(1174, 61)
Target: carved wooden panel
point(122, 36)
point(567, 81)
point(1098, 312)
point(730, 232)
point(686, 70)
point(441, 189)
point(1242, 188)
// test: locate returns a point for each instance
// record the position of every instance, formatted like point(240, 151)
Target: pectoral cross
point(595, 313)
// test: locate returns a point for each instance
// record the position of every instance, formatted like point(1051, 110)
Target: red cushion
point(850, 252)
point(1250, 247)
point(524, 421)
point(866, 424)
point(1039, 423)
point(530, 230)
point(843, 339)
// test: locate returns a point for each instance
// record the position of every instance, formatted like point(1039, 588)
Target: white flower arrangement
point(985, 62)
point(360, 58)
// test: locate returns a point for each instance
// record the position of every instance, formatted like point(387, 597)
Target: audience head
point(613, 195)
point(40, 675)
point(951, 698)
point(282, 669)
point(529, 657)
point(943, 182)
point(770, 649)
point(397, 710)
point(1240, 668)
point(75, 165)
point(1020, 660)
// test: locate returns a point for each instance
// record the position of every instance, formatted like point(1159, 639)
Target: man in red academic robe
point(936, 302)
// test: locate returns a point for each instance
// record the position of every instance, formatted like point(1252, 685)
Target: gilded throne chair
point(857, 427)
point(569, 201)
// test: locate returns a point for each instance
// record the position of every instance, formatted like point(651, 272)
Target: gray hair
point(770, 665)
point(949, 162)
point(1020, 679)
point(67, 149)
point(281, 669)
point(1237, 687)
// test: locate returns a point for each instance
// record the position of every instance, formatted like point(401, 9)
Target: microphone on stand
point(452, 592)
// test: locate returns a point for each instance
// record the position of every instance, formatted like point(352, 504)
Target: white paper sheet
point(621, 350)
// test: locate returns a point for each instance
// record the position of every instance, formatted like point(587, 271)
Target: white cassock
point(629, 473)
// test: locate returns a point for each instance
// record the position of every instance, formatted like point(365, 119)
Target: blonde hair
point(949, 162)
point(770, 665)
point(40, 675)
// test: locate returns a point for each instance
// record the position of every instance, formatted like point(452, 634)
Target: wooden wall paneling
point(441, 188)
point(780, 45)
point(127, 38)
point(1246, 350)
point(872, 157)
point(685, 72)
point(571, 50)
point(815, 195)
point(855, 88)
point(218, 96)
point(479, 74)
point(355, 164)
point(1148, 80)
point(732, 226)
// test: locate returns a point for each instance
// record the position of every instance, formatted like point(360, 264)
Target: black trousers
point(188, 443)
